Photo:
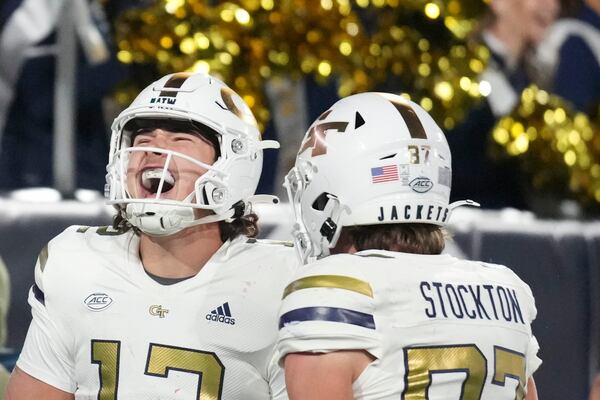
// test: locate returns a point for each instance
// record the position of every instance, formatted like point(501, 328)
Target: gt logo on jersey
point(158, 311)
point(98, 301)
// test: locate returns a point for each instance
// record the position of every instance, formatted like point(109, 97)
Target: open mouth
point(151, 177)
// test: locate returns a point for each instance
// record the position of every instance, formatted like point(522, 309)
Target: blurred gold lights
point(260, 39)
point(432, 10)
point(421, 46)
point(553, 141)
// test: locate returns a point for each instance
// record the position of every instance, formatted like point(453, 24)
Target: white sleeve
point(328, 308)
point(533, 361)
point(531, 357)
point(45, 355)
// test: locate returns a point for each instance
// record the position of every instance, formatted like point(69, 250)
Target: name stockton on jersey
point(461, 301)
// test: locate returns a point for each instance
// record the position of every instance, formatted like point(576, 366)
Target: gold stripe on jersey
point(329, 281)
point(43, 257)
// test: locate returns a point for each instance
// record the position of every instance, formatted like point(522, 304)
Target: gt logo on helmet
point(316, 137)
point(231, 100)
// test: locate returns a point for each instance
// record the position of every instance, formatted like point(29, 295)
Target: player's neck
point(181, 255)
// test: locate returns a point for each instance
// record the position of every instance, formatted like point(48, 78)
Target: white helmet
point(372, 158)
point(228, 184)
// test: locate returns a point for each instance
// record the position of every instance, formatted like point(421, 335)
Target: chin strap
point(164, 220)
point(263, 198)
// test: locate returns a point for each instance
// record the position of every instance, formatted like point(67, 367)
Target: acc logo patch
point(421, 184)
point(98, 301)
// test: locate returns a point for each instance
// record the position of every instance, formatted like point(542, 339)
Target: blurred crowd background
point(515, 84)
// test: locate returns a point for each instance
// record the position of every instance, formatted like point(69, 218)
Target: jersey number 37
point(423, 362)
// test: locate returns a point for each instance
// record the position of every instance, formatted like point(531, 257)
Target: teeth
point(151, 179)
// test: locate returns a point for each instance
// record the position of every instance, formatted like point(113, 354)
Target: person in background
point(570, 57)
point(176, 299)
point(511, 29)
point(29, 53)
point(378, 312)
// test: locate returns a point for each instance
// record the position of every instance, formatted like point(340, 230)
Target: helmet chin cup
point(159, 219)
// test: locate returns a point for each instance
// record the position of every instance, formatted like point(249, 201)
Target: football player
point(381, 313)
point(174, 301)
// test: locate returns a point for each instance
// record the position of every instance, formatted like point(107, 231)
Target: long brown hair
point(405, 238)
point(246, 225)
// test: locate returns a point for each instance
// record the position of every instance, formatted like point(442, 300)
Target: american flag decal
point(386, 173)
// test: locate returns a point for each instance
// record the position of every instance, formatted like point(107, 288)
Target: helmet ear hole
point(321, 202)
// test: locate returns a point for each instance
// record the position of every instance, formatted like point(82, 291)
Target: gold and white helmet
point(228, 185)
point(372, 158)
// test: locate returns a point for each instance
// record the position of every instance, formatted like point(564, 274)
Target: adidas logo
point(221, 314)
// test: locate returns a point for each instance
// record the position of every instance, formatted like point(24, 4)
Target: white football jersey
point(440, 328)
point(103, 329)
